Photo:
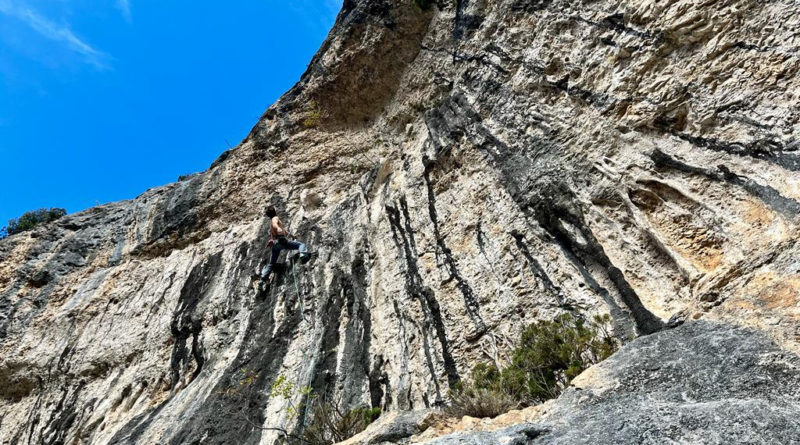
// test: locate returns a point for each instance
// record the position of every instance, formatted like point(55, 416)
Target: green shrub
point(313, 115)
point(474, 401)
point(549, 355)
point(31, 219)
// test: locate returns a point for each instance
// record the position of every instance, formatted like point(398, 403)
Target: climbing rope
point(306, 408)
point(297, 289)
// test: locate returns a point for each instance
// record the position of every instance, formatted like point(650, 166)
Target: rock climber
point(279, 240)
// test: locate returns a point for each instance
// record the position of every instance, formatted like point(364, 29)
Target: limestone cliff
point(461, 168)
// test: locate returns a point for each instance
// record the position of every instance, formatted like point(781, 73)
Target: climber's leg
point(296, 245)
point(276, 251)
point(301, 248)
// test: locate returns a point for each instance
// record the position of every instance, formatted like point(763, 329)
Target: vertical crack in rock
point(403, 236)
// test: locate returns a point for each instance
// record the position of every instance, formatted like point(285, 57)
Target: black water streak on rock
point(227, 415)
point(33, 416)
point(470, 301)
point(413, 283)
point(73, 252)
point(481, 238)
point(456, 117)
point(787, 207)
point(403, 236)
point(530, 6)
point(597, 100)
point(135, 428)
point(324, 372)
point(538, 271)
point(457, 26)
point(377, 379)
point(357, 335)
point(185, 323)
point(465, 24)
point(559, 208)
point(623, 325)
point(404, 401)
point(175, 212)
point(459, 57)
point(62, 417)
point(616, 22)
point(768, 149)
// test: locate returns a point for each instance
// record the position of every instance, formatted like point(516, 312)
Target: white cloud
point(125, 8)
point(53, 31)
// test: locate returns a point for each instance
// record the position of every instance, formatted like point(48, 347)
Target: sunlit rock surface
point(460, 171)
point(699, 383)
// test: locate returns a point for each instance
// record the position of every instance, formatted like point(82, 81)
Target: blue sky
point(102, 99)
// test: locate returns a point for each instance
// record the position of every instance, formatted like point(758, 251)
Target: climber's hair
point(271, 212)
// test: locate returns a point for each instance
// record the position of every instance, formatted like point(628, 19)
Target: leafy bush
point(31, 219)
point(549, 355)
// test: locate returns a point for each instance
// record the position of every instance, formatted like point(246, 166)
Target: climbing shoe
point(301, 258)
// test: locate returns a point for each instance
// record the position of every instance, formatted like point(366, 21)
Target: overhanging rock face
point(460, 170)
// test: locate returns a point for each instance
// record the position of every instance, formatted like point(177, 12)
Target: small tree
point(321, 422)
point(549, 355)
point(552, 353)
point(31, 219)
point(330, 425)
